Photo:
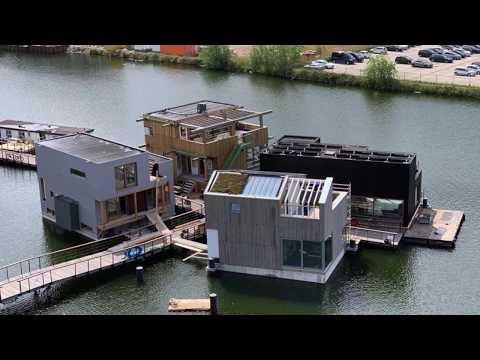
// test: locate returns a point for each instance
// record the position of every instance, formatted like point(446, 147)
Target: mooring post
point(139, 271)
point(213, 304)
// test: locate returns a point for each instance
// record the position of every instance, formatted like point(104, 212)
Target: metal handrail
point(111, 254)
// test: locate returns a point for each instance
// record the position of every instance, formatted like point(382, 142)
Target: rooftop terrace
point(203, 114)
point(290, 145)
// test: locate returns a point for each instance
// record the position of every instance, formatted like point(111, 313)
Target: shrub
point(381, 74)
point(278, 60)
point(216, 57)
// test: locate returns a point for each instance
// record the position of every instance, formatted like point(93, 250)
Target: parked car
point(452, 54)
point(440, 58)
point(379, 50)
point(462, 71)
point(472, 49)
point(358, 57)
point(341, 57)
point(459, 51)
point(422, 63)
point(365, 54)
point(394, 48)
point(476, 63)
point(426, 53)
point(474, 68)
point(437, 50)
point(403, 59)
point(323, 63)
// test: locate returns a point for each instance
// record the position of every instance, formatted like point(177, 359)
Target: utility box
point(67, 213)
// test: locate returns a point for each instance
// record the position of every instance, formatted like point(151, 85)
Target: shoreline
point(298, 73)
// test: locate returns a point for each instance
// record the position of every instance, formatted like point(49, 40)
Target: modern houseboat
point(204, 136)
point(276, 224)
point(30, 132)
point(386, 186)
point(99, 188)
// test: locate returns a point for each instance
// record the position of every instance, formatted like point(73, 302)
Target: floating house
point(99, 188)
point(204, 136)
point(34, 132)
point(276, 224)
point(386, 186)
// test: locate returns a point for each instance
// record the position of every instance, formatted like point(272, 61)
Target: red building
point(180, 50)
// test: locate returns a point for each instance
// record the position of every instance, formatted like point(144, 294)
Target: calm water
point(109, 96)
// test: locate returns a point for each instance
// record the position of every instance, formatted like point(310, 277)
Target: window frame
point(123, 179)
point(78, 173)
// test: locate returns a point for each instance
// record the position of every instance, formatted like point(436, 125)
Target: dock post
point(211, 265)
point(213, 304)
point(139, 271)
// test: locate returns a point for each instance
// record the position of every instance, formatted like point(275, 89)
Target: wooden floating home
point(276, 224)
point(204, 136)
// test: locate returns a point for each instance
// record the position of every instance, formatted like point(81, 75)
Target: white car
point(328, 65)
point(462, 71)
point(379, 50)
point(475, 68)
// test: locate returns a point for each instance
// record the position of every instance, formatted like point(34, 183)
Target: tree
point(275, 59)
point(216, 57)
point(381, 74)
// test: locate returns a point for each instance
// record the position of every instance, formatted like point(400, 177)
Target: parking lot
point(440, 73)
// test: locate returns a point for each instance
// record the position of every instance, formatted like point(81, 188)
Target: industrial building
point(276, 224)
point(99, 188)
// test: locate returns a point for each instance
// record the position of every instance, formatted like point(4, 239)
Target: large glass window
point(126, 176)
point(312, 254)
point(292, 253)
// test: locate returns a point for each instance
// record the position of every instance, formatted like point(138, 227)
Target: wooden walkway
point(123, 253)
point(189, 305)
point(19, 159)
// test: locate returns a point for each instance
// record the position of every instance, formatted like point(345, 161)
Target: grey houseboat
point(276, 224)
point(99, 188)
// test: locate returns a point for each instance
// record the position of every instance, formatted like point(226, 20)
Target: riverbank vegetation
point(285, 61)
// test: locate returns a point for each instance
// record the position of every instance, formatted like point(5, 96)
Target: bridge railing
point(98, 262)
point(27, 266)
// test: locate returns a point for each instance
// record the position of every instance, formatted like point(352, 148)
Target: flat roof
point(52, 129)
point(292, 145)
point(91, 148)
point(216, 113)
point(245, 184)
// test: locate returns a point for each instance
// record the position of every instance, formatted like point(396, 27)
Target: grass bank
point(400, 86)
point(241, 65)
point(151, 57)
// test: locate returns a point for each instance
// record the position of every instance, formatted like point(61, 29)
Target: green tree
point(216, 57)
point(275, 59)
point(381, 73)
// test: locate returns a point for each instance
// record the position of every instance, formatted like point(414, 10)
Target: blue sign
point(133, 252)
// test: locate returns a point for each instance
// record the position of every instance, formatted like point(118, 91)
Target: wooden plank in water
point(189, 305)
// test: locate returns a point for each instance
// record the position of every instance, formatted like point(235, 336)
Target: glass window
point(148, 131)
point(113, 208)
point(21, 135)
point(292, 253)
point(131, 175)
point(312, 254)
point(77, 172)
point(9, 134)
point(126, 176)
point(328, 251)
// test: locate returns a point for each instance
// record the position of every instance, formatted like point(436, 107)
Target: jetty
point(18, 159)
point(44, 270)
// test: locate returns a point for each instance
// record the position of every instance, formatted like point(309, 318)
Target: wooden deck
point(442, 231)
point(374, 237)
point(189, 305)
point(19, 159)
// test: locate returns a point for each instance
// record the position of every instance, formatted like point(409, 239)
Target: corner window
point(312, 254)
point(126, 176)
point(292, 253)
point(77, 173)
point(148, 131)
point(113, 208)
